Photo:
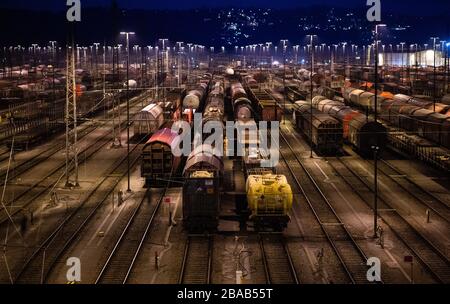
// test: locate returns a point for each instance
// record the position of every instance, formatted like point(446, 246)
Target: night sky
point(410, 20)
point(415, 7)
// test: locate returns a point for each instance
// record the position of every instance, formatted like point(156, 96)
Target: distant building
point(422, 58)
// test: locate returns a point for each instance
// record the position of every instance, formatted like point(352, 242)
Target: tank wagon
point(214, 109)
point(159, 163)
point(201, 189)
point(327, 132)
point(242, 106)
point(269, 198)
point(195, 96)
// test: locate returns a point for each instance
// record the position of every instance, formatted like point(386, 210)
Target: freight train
point(269, 196)
point(407, 113)
point(204, 171)
point(361, 132)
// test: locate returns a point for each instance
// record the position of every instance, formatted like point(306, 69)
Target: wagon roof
point(402, 97)
point(408, 109)
point(165, 136)
point(437, 117)
point(204, 156)
point(367, 94)
point(356, 92)
point(153, 109)
point(422, 113)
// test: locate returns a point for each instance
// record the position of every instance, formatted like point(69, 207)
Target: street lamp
point(402, 44)
point(447, 66)
point(434, 72)
point(375, 148)
point(311, 93)
point(127, 35)
point(284, 41)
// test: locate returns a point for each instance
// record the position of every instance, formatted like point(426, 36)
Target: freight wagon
point(327, 132)
point(201, 189)
point(159, 163)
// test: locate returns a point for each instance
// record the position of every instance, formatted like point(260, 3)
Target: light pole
point(402, 44)
point(284, 41)
point(434, 72)
point(311, 94)
point(96, 45)
point(447, 66)
point(376, 148)
point(53, 44)
point(127, 35)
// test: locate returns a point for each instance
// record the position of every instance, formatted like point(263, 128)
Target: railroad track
point(26, 197)
point(197, 260)
point(29, 163)
point(277, 261)
point(423, 196)
point(41, 262)
point(120, 262)
point(426, 252)
point(351, 256)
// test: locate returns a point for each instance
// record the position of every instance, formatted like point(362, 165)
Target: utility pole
point(179, 63)
point(402, 44)
point(127, 34)
point(311, 95)
point(434, 72)
point(71, 114)
point(117, 142)
point(376, 148)
point(284, 41)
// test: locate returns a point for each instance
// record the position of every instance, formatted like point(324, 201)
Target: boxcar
point(327, 132)
point(158, 162)
point(445, 136)
point(420, 116)
point(433, 127)
point(148, 120)
point(201, 189)
point(406, 120)
point(364, 134)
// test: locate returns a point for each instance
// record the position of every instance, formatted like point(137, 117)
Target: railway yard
point(315, 156)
